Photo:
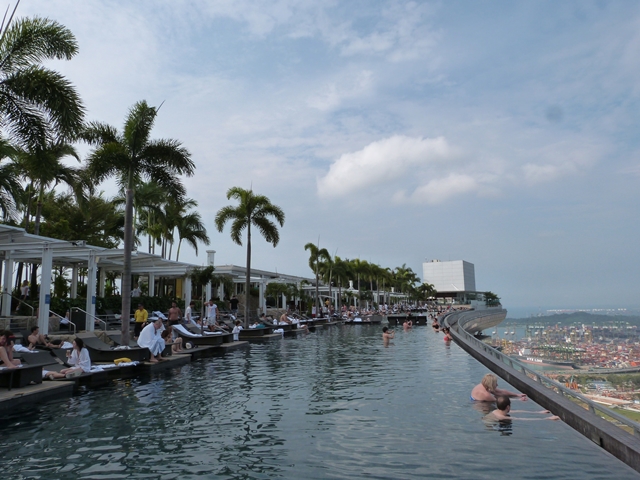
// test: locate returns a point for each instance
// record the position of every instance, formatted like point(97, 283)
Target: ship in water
point(525, 356)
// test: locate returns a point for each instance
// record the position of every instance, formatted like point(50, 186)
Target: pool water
point(331, 404)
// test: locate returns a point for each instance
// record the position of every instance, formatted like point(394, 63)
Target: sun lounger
point(21, 376)
point(101, 352)
point(116, 338)
point(38, 357)
point(209, 338)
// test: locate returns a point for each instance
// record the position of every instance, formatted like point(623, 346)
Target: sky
point(501, 133)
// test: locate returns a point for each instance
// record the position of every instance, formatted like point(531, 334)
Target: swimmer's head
point(503, 402)
point(490, 382)
point(384, 329)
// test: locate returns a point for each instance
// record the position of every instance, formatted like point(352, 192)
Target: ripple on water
point(331, 404)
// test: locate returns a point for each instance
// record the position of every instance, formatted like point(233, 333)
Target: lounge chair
point(116, 338)
point(197, 339)
point(101, 352)
point(21, 376)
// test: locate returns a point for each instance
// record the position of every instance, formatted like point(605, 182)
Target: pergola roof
point(28, 248)
point(240, 272)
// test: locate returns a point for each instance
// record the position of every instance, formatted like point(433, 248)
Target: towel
point(122, 347)
point(23, 349)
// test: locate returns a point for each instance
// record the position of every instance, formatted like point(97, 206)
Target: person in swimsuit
point(387, 335)
point(487, 390)
point(503, 411)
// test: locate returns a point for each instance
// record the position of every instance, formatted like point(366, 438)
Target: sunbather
point(78, 357)
point(6, 350)
point(36, 339)
point(168, 336)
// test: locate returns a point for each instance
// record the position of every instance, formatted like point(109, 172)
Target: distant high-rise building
point(453, 276)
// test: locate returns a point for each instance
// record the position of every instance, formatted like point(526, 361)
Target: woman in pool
point(78, 358)
point(487, 390)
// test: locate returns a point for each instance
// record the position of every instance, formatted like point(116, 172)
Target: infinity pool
point(329, 404)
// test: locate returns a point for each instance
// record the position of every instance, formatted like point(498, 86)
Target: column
point(187, 291)
point(74, 281)
point(7, 283)
point(102, 282)
point(262, 306)
point(44, 299)
point(90, 307)
point(207, 292)
point(152, 284)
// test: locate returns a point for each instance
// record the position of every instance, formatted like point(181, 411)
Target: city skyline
point(497, 133)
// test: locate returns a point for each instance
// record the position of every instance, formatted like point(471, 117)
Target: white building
point(455, 276)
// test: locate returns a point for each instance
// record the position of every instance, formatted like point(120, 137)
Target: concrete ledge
point(616, 441)
point(10, 400)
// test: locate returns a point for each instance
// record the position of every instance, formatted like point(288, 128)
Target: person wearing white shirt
point(236, 331)
point(212, 313)
point(78, 358)
point(151, 338)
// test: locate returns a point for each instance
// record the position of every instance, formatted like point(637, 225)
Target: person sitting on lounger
point(151, 338)
point(36, 339)
point(487, 390)
point(168, 336)
point(6, 350)
point(78, 358)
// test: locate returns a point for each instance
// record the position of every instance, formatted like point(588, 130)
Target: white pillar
point(284, 301)
point(152, 285)
point(187, 291)
point(74, 281)
point(45, 289)
point(102, 282)
point(262, 305)
point(90, 308)
point(211, 254)
point(221, 291)
point(7, 283)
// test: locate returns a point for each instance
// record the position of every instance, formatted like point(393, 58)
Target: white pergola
point(16, 245)
point(260, 277)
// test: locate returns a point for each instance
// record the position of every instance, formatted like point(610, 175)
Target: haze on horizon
point(501, 133)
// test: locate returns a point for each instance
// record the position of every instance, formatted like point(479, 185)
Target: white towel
point(23, 349)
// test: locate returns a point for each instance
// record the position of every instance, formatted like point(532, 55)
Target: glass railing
point(555, 387)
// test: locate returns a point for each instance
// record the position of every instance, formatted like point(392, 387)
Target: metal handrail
point(22, 302)
point(75, 329)
point(556, 387)
point(87, 313)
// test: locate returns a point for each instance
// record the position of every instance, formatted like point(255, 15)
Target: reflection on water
point(330, 404)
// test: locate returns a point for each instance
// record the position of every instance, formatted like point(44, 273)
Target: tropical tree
point(316, 255)
point(191, 230)
point(42, 166)
point(37, 104)
point(10, 188)
point(131, 156)
point(341, 274)
point(252, 210)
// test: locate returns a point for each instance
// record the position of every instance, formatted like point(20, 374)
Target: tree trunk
point(248, 278)
point(126, 267)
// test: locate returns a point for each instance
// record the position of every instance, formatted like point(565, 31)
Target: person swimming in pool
point(387, 335)
point(487, 390)
point(503, 411)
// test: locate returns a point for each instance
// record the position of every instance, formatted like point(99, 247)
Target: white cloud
point(441, 189)
point(380, 162)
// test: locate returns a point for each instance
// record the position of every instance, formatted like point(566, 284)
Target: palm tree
point(42, 165)
point(253, 210)
point(316, 255)
point(132, 156)
point(191, 230)
point(10, 189)
point(341, 272)
point(37, 103)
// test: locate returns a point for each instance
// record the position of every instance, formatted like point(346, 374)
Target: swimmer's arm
point(530, 411)
point(553, 417)
point(499, 391)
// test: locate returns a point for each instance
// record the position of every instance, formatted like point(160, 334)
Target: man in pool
point(487, 390)
point(503, 411)
point(387, 335)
